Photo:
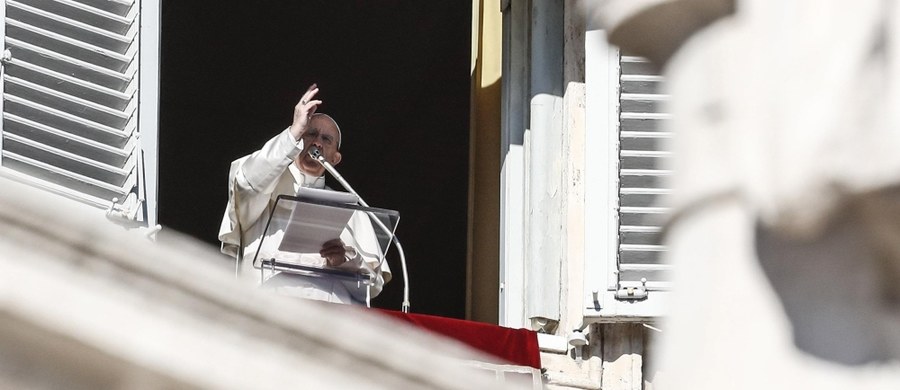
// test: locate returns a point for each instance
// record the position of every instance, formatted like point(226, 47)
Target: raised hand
point(304, 110)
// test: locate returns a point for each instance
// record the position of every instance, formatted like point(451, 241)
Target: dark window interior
point(394, 74)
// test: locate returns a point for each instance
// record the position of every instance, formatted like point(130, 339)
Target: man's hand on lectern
point(334, 252)
point(303, 111)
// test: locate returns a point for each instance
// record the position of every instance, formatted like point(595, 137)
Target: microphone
point(316, 154)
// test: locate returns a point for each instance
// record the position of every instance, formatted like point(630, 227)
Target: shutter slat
point(123, 76)
point(644, 96)
point(69, 137)
point(646, 267)
point(126, 19)
point(645, 115)
point(643, 210)
point(126, 40)
point(642, 248)
point(656, 275)
point(121, 191)
point(57, 188)
point(642, 78)
point(645, 172)
point(88, 48)
point(639, 229)
point(634, 59)
point(645, 134)
point(86, 104)
point(86, 84)
point(645, 153)
point(654, 191)
point(117, 7)
point(67, 116)
point(113, 170)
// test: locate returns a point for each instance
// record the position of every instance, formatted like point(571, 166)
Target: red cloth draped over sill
point(517, 346)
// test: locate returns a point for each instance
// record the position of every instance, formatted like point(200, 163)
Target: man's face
point(323, 134)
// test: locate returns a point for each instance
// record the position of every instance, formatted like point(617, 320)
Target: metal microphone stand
point(317, 155)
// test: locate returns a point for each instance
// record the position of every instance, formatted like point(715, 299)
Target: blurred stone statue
point(786, 231)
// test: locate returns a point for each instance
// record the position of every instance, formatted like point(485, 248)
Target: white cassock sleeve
point(251, 181)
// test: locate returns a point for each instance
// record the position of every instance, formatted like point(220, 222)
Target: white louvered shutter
point(642, 179)
point(70, 100)
point(625, 178)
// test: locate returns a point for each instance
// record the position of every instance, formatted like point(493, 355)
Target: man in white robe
point(281, 167)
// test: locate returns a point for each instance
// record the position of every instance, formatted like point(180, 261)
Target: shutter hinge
point(5, 60)
point(632, 290)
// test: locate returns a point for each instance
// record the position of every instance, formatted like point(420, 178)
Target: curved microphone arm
point(317, 155)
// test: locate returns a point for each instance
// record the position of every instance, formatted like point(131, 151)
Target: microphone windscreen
point(314, 152)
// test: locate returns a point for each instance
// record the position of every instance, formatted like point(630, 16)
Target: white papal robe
point(255, 181)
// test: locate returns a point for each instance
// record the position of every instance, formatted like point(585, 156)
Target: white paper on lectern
point(311, 225)
point(327, 195)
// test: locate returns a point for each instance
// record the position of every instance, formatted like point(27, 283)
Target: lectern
point(299, 225)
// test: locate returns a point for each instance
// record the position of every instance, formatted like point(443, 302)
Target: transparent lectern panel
point(299, 226)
